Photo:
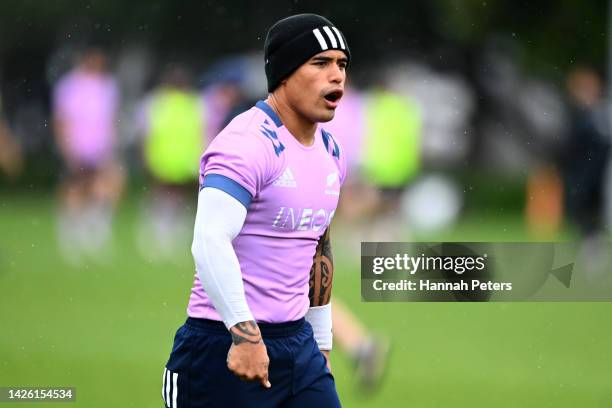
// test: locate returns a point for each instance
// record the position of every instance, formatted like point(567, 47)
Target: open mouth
point(333, 96)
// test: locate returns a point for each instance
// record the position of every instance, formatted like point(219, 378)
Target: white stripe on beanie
point(331, 37)
point(339, 37)
point(320, 38)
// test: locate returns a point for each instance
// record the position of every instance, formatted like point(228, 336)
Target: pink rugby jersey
point(290, 192)
point(87, 105)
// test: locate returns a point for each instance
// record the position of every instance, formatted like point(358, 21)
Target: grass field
point(107, 329)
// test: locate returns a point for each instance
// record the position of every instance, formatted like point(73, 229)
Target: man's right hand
point(247, 357)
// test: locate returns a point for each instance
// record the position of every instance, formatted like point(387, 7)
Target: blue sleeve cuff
point(230, 186)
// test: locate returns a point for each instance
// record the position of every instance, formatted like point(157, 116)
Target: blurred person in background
point(11, 159)
point(174, 125)
point(586, 154)
point(544, 201)
point(223, 94)
point(391, 155)
point(85, 104)
point(584, 167)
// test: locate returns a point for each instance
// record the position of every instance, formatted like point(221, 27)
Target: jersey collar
point(270, 112)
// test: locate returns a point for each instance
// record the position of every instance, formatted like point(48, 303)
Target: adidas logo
point(286, 179)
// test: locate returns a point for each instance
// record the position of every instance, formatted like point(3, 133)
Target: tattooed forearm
point(321, 272)
point(245, 332)
point(325, 243)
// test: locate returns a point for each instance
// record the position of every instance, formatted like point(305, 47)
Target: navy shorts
point(196, 374)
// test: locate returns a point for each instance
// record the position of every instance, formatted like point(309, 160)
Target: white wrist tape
point(320, 318)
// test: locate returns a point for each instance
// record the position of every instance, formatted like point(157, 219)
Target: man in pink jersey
point(259, 327)
point(85, 104)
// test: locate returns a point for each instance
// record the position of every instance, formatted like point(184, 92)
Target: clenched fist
point(248, 358)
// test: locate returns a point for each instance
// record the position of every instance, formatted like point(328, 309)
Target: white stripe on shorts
point(174, 389)
point(168, 388)
point(320, 38)
point(164, 386)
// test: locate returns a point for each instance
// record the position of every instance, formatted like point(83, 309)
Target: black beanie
point(294, 40)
